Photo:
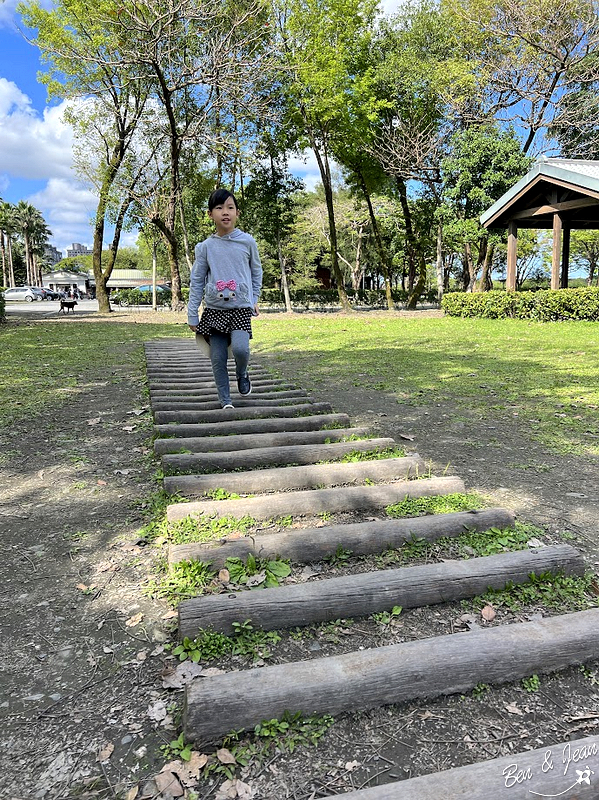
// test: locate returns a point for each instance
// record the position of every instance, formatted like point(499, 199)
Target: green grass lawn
point(545, 373)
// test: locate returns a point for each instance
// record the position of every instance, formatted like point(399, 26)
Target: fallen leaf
point(512, 708)
point(407, 436)
point(134, 620)
point(101, 483)
point(488, 613)
point(224, 576)
point(132, 793)
point(183, 673)
point(225, 756)
point(189, 773)
point(234, 788)
point(168, 782)
point(352, 765)
point(169, 614)
point(105, 752)
point(157, 711)
point(256, 579)
point(128, 428)
point(94, 421)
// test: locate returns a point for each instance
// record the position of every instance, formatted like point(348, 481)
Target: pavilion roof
point(564, 185)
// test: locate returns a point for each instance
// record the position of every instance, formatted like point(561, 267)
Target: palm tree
point(7, 230)
point(28, 221)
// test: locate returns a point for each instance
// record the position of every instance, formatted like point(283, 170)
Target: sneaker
point(229, 405)
point(244, 385)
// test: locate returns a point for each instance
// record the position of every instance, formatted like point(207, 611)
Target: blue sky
point(36, 162)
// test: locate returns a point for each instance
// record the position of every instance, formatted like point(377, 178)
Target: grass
point(546, 374)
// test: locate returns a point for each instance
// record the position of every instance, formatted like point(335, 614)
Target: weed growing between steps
point(557, 592)
point(441, 504)
point(210, 645)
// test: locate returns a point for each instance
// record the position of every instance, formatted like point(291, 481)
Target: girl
point(227, 274)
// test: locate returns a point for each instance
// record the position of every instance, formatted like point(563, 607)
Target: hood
point(235, 234)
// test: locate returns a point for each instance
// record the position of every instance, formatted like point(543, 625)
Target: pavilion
point(558, 194)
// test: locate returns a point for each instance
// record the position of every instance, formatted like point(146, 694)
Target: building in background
point(77, 249)
point(52, 255)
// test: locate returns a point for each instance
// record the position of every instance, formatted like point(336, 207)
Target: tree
point(30, 226)
point(584, 253)
point(322, 45)
point(271, 210)
point(483, 164)
point(80, 41)
point(7, 232)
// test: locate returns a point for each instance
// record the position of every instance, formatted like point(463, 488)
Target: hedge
point(543, 306)
point(374, 298)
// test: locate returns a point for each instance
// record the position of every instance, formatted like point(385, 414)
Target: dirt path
point(83, 709)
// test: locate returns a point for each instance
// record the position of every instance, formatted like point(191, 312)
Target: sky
point(36, 160)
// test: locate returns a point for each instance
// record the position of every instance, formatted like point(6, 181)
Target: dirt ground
point(82, 648)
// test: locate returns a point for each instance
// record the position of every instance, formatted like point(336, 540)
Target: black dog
point(67, 305)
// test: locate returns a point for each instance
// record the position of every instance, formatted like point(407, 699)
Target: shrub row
point(543, 306)
point(374, 298)
point(133, 297)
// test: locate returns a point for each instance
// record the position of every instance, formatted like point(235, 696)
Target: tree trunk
point(325, 174)
point(284, 284)
point(439, 264)
point(486, 283)
point(378, 243)
point(415, 255)
point(3, 249)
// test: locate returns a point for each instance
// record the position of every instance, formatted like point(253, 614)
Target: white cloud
point(32, 146)
point(305, 166)
point(67, 208)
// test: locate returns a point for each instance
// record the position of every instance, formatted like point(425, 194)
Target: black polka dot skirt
point(225, 321)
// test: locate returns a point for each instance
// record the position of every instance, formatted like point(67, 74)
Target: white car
point(28, 293)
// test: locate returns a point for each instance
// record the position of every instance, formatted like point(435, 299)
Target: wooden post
point(556, 252)
point(512, 250)
point(565, 258)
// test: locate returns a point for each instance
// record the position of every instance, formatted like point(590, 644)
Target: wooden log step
point(317, 501)
point(271, 386)
point(224, 415)
point(311, 476)
point(519, 776)
point(181, 375)
point(256, 398)
point(352, 596)
point(394, 674)
point(223, 444)
point(303, 545)
point(282, 423)
point(261, 456)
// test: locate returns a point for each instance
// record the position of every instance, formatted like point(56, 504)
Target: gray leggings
point(219, 345)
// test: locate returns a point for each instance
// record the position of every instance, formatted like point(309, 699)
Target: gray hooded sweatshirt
point(226, 273)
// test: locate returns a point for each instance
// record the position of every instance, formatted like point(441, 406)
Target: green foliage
point(532, 684)
point(372, 455)
point(221, 494)
point(385, 617)
point(133, 297)
point(542, 306)
point(257, 572)
point(186, 579)
point(177, 749)
point(209, 645)
point(340, 556)
point(559, 592)
point(203, 528)
point(495, 540)
point(293, 730)
point(441, 504)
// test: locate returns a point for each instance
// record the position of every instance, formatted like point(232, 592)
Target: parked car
point(49, 294)
point(147, 287)
point(20, 293)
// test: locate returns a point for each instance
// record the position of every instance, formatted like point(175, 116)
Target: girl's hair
point(219, 196)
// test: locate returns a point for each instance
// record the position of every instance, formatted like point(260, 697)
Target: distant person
point(227, 275)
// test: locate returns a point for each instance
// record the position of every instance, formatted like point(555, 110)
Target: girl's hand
point(256, 312)
point(194, 328)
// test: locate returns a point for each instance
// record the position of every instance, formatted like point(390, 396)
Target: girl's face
point(224, 216)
